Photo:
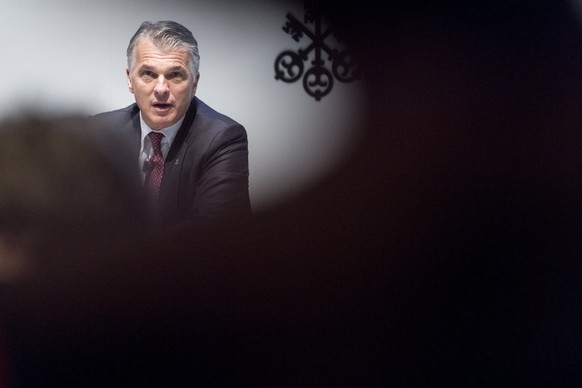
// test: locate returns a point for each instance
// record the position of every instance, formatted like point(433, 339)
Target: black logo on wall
point(318, 79)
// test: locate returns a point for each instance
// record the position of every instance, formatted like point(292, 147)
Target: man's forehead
point(147, 44)
point(150, 56)
point(162, 62)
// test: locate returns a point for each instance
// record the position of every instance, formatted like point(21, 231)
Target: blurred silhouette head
point(62, 193)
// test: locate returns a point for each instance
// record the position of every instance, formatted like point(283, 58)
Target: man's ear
point(129, 86)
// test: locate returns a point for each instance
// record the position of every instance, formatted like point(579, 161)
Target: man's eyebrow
point(146, 67)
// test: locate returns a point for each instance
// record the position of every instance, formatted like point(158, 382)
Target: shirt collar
point(169, 132)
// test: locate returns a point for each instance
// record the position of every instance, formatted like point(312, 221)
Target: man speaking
point(194, 160)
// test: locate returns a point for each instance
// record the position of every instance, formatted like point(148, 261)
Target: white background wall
point(69, 56)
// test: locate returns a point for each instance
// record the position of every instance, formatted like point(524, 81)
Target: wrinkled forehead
point(152, 53)
point(163, 47)
point(147, 51)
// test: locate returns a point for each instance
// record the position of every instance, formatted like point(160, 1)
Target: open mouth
point(161, 106)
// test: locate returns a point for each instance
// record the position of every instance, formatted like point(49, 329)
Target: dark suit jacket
point(206, 170)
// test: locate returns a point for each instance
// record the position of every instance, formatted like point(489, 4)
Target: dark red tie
point(156, 166)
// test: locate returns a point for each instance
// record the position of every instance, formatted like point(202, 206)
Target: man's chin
point(161, 122)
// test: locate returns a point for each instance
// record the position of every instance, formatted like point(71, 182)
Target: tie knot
point(156, 139)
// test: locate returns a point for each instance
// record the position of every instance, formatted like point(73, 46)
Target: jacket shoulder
point(116, 118)
point(205, 112)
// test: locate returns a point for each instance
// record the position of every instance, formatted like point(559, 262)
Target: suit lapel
point(175, 158)
point(184, 131)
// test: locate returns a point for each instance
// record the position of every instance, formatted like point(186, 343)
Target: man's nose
point(161, 87)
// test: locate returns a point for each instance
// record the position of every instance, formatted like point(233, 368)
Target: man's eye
point(174, 75)
point(148, 74)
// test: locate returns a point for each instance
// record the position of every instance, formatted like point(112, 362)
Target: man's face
point(162, 84)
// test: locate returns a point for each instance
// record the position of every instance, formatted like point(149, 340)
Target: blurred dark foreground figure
point(62, 190)
point(66, 199)
point(445, 252)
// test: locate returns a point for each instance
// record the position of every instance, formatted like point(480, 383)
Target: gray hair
point(166, 35)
